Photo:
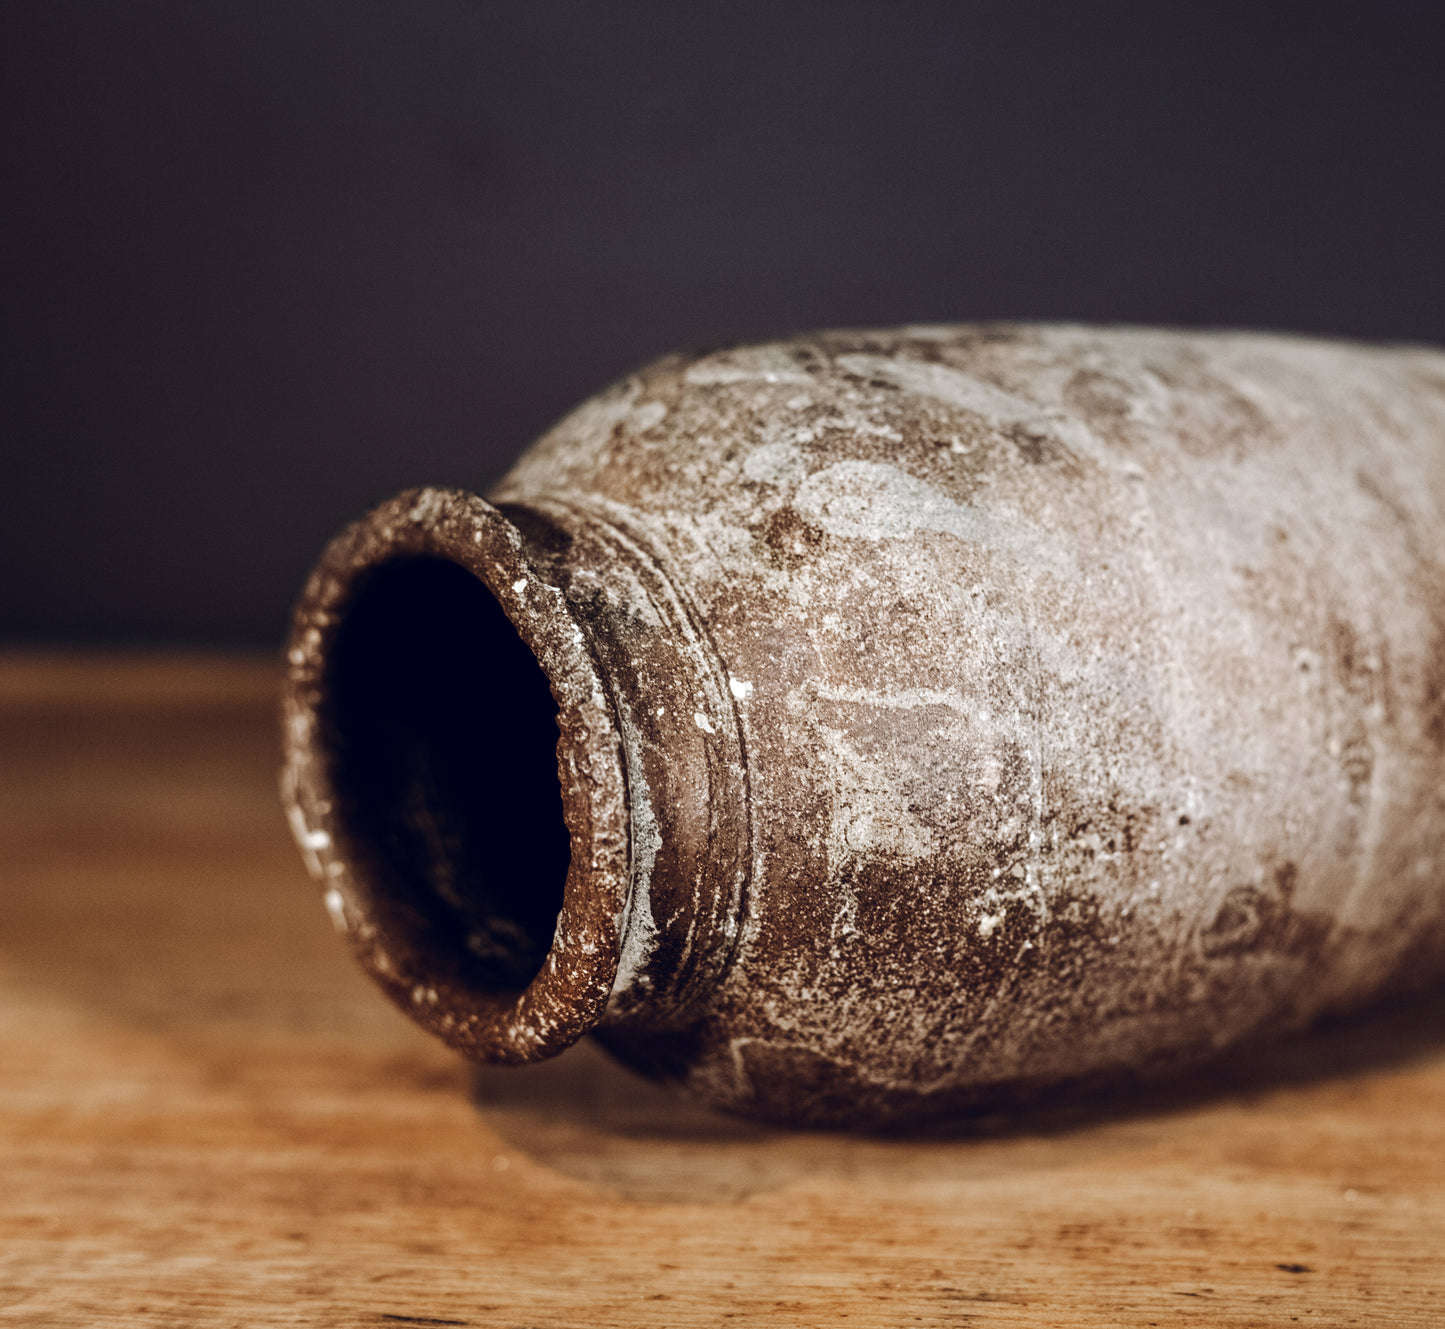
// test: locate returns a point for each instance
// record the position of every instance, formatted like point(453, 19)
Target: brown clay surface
point(965, 715)
point(208, 1116)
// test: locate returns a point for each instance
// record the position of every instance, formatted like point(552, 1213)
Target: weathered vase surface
point(876, 725)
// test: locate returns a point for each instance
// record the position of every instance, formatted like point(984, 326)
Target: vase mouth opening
point(454, 776)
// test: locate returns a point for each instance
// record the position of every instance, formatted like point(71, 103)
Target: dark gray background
point(266, 263)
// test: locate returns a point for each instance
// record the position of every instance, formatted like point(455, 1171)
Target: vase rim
point(423, 968)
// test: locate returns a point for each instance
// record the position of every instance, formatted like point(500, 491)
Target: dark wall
point(265, 263)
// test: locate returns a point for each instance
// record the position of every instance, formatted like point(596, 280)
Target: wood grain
point(208, 1118)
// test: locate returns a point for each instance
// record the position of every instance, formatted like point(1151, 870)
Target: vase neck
point(514, 764)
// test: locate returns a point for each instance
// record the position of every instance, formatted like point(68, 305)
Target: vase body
point(943, 716)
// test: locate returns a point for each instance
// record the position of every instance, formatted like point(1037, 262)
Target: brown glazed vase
point(883, 724)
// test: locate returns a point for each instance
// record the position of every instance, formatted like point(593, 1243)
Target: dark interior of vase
point(443, 734)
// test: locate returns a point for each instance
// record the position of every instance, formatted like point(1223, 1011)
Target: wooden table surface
point(208, 1117)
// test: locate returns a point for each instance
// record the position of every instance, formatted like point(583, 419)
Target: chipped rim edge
point(569, 995)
